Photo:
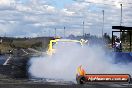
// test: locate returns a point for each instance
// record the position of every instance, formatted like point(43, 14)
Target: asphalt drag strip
point(30, 84)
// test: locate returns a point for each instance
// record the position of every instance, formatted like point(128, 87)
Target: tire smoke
point(63, 64)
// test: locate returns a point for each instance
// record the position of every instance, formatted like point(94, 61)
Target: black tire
point(81, 80)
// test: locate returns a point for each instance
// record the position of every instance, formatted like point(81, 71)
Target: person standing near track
point(117, 45)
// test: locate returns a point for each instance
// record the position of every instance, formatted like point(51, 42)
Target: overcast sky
point(31, 18)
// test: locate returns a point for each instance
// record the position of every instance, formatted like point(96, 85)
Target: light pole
point(55, 32)
point(121, 23)
point(64, 31)
point(83, 29)
point(103, 24)
point(121, 15)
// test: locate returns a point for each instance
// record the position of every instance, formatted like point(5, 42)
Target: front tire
point(81, 80)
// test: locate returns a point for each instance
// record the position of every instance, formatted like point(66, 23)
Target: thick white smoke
point(63, 64)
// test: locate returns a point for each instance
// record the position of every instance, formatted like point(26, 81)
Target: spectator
point(117, 45)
